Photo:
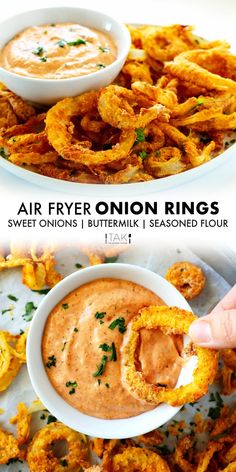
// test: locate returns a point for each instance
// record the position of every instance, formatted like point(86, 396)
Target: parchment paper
point(157, 260)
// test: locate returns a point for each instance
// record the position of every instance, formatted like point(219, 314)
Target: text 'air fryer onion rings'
point(170, 320)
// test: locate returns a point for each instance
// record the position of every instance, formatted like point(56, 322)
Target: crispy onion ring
point(10, 364)
point(8, 447)
point(22, 420)
point(40, 456)
point(58, 128)
point(116, 107)
point(186, 65)
point(173, 320)
point(188, 278)
point(134, 459)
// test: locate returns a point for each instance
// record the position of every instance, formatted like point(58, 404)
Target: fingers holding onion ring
point(170, 320)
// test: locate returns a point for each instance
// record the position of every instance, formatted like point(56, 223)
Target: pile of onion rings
point(172, 108)
point(12, 357)
point(37, 262)
point(170, 320)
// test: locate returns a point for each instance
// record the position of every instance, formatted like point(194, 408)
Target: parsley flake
point(29, 308)
point(51, 419)
point(65, 306)
point(77, 42)
point(143, 154)
point(52, 361)
point(38, 51)
point(111, 260)
point(101, 66)
point(101, 367)
point(43, 59)
point(120, 323)
point(106, 50)
point(140, 136)
point(99, 315)
point(13, 298)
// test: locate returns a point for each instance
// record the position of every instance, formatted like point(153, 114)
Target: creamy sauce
point(73, 335)
point(58, 51)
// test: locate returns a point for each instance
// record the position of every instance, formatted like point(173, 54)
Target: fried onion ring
point(134, 459)
point(186, 65)
point(58, 128)
point(188, 278)
point(8, 447)
point(174, 320)
point(40, 455)
point(116, 107)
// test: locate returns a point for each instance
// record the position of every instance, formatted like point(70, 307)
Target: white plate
point(114, 191)
point(103, 428)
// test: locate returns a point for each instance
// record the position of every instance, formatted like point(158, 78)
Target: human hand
point(218, 329)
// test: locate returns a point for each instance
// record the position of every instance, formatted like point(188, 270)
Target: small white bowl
point(103, 428)
point(49, 91)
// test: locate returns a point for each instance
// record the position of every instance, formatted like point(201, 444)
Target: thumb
point(217, 330)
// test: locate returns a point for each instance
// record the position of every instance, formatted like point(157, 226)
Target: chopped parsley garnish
point(212, 398)
point(77, 42)
point(43, 291)
point(200, 101)
point(143, 154)
point(101, 66)
point(100, 315)
point(106, 50)
point(78, 265)
point(53, 24)
point(3, 152)
point(6, 310)
point(113, 352)
point(64, 345)
point(43, 416)
point(51, 362)
point(111, 260)
point(43, 59)
point(158, 153)
point(140, 137)
point(13, 298)
point(72, 386)
point(63, 462)
point(75, 330)
point(38, 51)
point(106, 348)
point(107, 385)
point(51, 419)
point(29, 308)
point(62, 43)
point(65, 306)
point(99, 382)
point(101, 367)
point(214, 412)
point(120, 323)
point(21, 332)
point(101, 322)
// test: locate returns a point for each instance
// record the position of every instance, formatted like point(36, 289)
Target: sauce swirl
point(58, 51)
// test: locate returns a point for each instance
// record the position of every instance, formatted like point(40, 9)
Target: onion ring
point(173, 320)
point(229, 358)
point(134, 459)
point(116, 107)
point(8, 447)
point(40, 456)
point(58, 121)
point(188, 278)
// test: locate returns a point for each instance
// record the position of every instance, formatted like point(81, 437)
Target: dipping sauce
point(58, 51)
point(81, 348)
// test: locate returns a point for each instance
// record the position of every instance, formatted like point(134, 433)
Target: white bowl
point(49, 91)
point(103, 428)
